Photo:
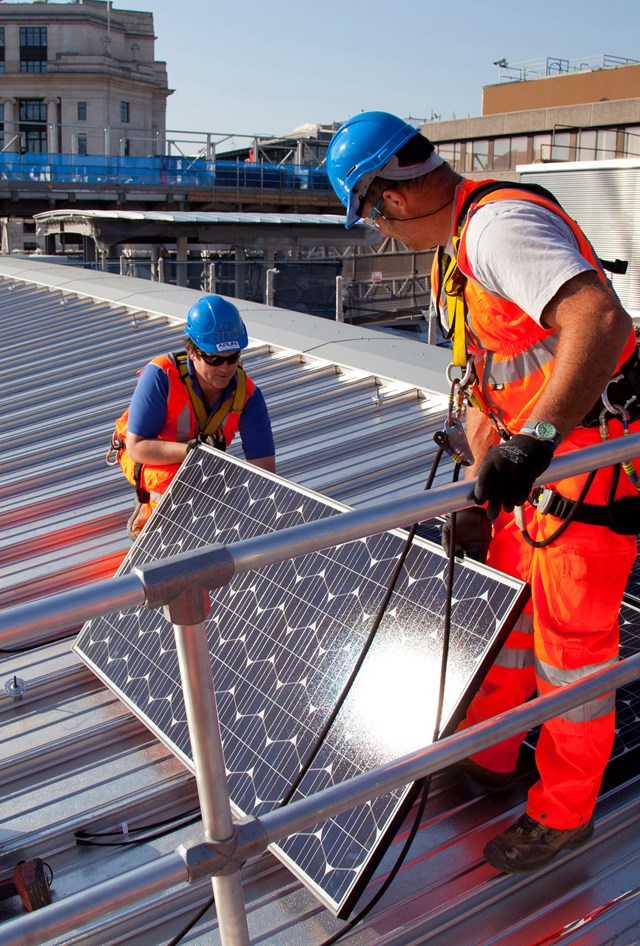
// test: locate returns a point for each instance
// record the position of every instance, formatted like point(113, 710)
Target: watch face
point(545, 430)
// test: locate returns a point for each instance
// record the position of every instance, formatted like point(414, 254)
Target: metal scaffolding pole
point(187, 613)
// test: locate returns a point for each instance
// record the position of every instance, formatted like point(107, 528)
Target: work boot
point(487, 778)
point(528, 845)
point(138, 518)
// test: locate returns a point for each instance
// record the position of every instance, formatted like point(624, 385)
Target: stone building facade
point(80, 78)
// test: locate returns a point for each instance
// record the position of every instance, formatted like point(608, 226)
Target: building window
point(32, 115)
point(509, 152)
point(632, 142)
point(598, 144)
point(478, 157)
point(124, 111)
point(587, 141)
point(126, 148)
point(605, 144)
point(82, 144)
point(542, 147)
point(1, 48)
point(1, 126)
point(561, 146)
point(33, 49)
point(453, 153)
point(82, 111)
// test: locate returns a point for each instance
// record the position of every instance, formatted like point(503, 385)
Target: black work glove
point(192, 444)
point(509, 471)
point(473, 533)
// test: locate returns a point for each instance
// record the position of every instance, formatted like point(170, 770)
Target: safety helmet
point(362, 146)
point(215, 326)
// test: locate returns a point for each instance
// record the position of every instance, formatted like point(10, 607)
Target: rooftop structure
point(93, 792)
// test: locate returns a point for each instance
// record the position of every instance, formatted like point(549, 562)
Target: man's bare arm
point(592, 329)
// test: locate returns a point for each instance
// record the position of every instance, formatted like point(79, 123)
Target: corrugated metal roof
point(72, 758)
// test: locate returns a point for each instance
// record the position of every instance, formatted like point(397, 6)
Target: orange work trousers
point(568, 630)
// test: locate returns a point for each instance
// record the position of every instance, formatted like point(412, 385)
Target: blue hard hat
point(362, 146)
point(215, 326)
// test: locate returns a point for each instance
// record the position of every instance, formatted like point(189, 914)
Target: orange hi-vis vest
point(186, 418)
point(513, 355)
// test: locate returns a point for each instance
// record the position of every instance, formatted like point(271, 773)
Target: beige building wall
point(98, 56)
point(575, 88)
point(599, 127)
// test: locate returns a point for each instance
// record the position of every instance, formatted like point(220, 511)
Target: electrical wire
point(44, 643)
point(564, 525)
point(366, 646)
point(135, 835)
point(423, 785)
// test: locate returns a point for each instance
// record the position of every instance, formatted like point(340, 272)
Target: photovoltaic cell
point(627, 735)
point(283, 643)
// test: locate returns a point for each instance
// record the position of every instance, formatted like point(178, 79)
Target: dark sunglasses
point(217, 360)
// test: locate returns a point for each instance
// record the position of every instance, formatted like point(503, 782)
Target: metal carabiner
point(464, 380)
point(616, 408)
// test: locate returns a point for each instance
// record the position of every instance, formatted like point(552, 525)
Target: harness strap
point(453, 283)
point(552, 503)
point(209, 425)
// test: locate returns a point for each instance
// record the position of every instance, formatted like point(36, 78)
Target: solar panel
point(627, 735)
point(283, 643)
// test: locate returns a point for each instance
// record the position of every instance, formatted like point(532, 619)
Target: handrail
point(181, 585)
point(197, 860)
point(148, 584)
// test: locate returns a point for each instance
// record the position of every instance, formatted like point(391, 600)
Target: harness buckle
point(542, 499)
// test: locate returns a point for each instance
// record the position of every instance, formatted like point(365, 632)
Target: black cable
point(424, 785)
point(44, 643)
point(564, 525)
point(192, 922)
point(366, 647)
point(138, 835)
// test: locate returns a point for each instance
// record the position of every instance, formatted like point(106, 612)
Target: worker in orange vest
point(552, 357)
point(200, 394)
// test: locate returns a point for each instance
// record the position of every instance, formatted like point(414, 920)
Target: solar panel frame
point(122, 648)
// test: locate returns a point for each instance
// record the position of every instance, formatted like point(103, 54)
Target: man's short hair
point(415, 151)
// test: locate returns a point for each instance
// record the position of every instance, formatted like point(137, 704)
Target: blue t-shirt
point(148, 411)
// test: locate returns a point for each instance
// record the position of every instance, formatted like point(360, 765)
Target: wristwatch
point(543, 430)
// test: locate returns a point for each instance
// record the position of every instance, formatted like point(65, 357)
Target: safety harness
point(210, 427)
point(621, 397)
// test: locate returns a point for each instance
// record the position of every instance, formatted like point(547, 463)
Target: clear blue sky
point(261, 67)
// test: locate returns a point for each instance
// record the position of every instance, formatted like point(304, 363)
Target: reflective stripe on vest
point(595, 709)
point(518, 658)
point(515, 355)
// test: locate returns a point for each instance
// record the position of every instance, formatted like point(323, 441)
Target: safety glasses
point(216, 360)
point(371, 220)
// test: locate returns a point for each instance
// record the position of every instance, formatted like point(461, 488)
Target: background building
point(546, 110)
point(80, 78)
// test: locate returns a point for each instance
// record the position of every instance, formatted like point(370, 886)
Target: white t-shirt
point(522, 252)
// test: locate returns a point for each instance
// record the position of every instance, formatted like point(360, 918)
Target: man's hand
point(473, 533)
point(509, 471)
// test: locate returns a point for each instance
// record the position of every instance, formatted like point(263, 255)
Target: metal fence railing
point(181, 586)
point(160, 170)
